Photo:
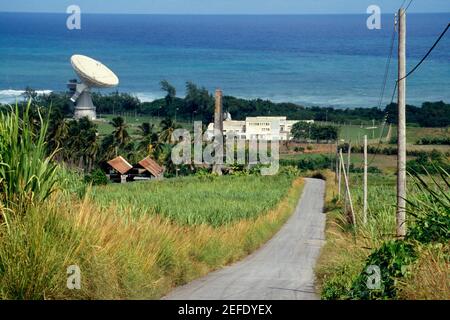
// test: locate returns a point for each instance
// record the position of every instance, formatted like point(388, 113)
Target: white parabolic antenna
point(93, 74)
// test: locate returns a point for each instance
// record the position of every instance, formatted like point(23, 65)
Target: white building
point(258, 128)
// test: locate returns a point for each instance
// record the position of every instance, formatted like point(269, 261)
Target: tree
point(301, 130)
point(168, 126)
point(170, 92)
point(148, 138)
point(309, 131)
point(120, 133)
point(29, 94)
point(81, 146)
point(200, 101)
point(57, 133)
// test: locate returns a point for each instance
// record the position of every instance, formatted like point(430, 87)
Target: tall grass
point(27, 174)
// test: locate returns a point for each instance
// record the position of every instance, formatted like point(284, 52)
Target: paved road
point(281, 270)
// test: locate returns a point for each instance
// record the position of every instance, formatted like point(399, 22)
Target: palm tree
point(57, 133)
point(92, 148)
point(148, 138)
point(162, 154)
point(168, 126)
point(120, 133)
point(170, 90)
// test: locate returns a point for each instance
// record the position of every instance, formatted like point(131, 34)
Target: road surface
point(281, 270)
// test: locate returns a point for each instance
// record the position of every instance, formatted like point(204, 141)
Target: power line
point(421, 61)
point(406, 9)
point(386, 76)
point(408, 74)
point(386, 71)
point(428, 53)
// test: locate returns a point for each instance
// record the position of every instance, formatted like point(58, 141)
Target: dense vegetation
point(198, 104)
point(303, 131)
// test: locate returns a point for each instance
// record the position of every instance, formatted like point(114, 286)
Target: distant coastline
point(324, 60)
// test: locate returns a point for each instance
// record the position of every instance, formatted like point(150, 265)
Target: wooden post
point(336, 169)
point(347, 188)
point(401, 144)
point(365, 182)
point(348, 171)
point(337, 163)
point(339, 174)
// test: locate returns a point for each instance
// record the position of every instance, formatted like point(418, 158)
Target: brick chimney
point(218, 112)
point(218, 126)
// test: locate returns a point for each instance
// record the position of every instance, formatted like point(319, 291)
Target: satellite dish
point(93, 74)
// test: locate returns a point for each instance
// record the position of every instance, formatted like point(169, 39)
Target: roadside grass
point(345, 251)
point(429, 277)
point(344, 256)
point(124, 255)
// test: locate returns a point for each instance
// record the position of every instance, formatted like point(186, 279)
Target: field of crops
point(193, 200)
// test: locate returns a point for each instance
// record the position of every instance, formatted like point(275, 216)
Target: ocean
point(323, 60)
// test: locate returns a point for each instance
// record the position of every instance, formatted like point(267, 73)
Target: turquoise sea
point(326, 60)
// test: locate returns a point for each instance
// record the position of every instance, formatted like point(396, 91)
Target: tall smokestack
point(218, 112)
point(218, 132)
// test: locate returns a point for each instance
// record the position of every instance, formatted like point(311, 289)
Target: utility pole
point(401, 143)
point(365, 182)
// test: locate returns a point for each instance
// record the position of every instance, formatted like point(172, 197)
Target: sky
point(221, 6)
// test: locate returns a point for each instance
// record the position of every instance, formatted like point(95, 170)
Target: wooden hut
point(147, 169)
point(119, 169)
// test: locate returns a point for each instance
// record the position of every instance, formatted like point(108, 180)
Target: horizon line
point(214, 14)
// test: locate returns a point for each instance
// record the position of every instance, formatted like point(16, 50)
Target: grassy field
point(192, 200)
point(355, 133)
point(126, 250)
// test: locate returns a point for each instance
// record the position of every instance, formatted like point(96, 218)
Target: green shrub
point(393, 259)
point(97, 178)
point(308, 164)
point(428, 163)
point(434, 141)
point(289, 171)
